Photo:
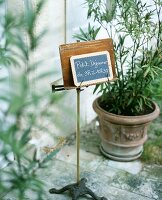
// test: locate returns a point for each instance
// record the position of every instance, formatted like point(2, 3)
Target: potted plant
point(125, 107)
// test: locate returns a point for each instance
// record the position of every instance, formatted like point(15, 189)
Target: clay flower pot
point(122, 137)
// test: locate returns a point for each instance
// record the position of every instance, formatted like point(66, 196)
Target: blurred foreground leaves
point(22, 105)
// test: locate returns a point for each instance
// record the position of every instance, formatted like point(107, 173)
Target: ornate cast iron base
point(77, 190)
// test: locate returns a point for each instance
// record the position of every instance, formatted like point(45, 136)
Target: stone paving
point(111, 179)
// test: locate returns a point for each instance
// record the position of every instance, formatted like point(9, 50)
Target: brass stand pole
point(79, 188)
point(78, 135)
point(65, 21)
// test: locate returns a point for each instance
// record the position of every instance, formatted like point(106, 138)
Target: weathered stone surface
point(153, 172)
point(88, 160)
point(133, 167)
point(112, 179)
point(89, 139)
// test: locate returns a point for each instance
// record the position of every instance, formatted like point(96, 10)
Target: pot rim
point(127, 120)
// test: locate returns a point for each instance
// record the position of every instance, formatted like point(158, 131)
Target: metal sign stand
point(79, 188)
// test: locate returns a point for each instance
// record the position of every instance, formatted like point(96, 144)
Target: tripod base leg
point(77, 190)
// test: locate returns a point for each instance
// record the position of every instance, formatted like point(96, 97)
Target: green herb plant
point(20, 103)
point(136, 29)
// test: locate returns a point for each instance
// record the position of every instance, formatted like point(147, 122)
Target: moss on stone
point(153, 147)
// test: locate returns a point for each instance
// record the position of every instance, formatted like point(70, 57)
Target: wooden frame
point(75, 49)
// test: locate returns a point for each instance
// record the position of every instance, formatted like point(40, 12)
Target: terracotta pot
point(122, 137)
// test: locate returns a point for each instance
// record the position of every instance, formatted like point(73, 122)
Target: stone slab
point(88, 160)
point(114, 180)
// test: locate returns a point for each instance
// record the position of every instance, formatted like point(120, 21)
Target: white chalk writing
point(90, 63)
point(92, 72)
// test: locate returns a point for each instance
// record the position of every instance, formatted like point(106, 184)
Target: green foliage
point(136, 29)
point(156, 90)
point(89, 35)
point(153, 151)
point(100, 12)
point(21, 104)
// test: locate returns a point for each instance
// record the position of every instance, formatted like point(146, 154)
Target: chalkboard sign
point(92, 68)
